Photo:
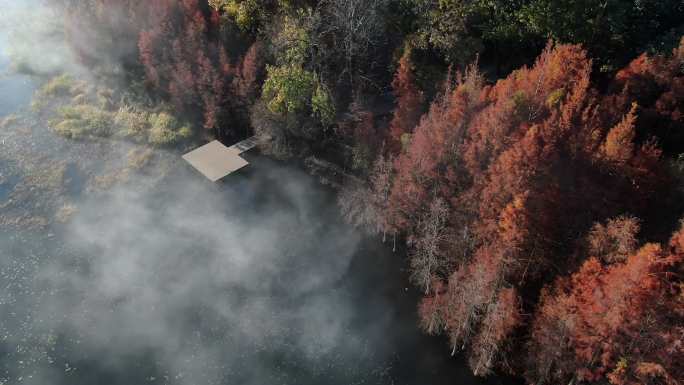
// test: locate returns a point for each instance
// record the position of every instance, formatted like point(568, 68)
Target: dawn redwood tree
point(408, 106)
point(185, 61)
point(618, 146)
point(516, 162)
point(429, 167)
point(622, 323)
point(249, 73)
point(180, 61)
point(656, 84)
point(514, 166)
point(614, 241)
point(492, 343)
point(380, 185)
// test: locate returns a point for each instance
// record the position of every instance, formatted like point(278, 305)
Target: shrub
point(164, 129)
point(82, 121)
point(62, 85)
point(185, 132)
point(57, 86)
point(131, 122)
point(104, 98)
point(79, 99)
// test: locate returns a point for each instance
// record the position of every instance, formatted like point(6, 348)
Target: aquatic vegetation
point(65, 213)
point(79, 110)
point(132, 122)
point(138, 158)
point(82, 121)
point(166, 130)
point(58, 86)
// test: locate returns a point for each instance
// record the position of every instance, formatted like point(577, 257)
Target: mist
point(252, 281)
point(33, 37)
point(210, 284)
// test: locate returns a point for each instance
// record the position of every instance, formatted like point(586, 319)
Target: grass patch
point(50, 178)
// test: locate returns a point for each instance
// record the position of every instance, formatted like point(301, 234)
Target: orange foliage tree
point(623, 322)
point(516, 163)
point(182, 62)
point(409, 103)
point(656, 83)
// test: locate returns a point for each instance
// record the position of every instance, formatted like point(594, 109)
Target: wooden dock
point(215, 161)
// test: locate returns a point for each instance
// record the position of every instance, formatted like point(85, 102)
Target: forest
point(526, 157)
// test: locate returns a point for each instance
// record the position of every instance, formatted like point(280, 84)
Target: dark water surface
point(15, 89)
point(251, 281)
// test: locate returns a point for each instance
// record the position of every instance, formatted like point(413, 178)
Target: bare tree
point(427, 257)
point(357, 206)
point(356, 26)
point(381, 183)
point(366, 204)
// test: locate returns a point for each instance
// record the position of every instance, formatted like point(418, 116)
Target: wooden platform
point(215, 161)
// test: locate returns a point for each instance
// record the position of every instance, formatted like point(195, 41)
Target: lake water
point(15, 90)
point(251, 281)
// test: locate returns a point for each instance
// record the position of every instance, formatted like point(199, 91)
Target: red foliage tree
point(184, 61)
point(501, 319)
point(409, 103)
point(516, 162)
point(623, 323)
point(180, 60)
point(427, 170)
point(249, 72)
point(615, 240)
point(656, 83)
point(182, 49)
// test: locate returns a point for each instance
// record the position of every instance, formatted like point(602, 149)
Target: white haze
point(32, 36)
point(205, 281)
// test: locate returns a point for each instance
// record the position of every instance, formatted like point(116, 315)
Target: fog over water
point(255, 280)
point(189, 282)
